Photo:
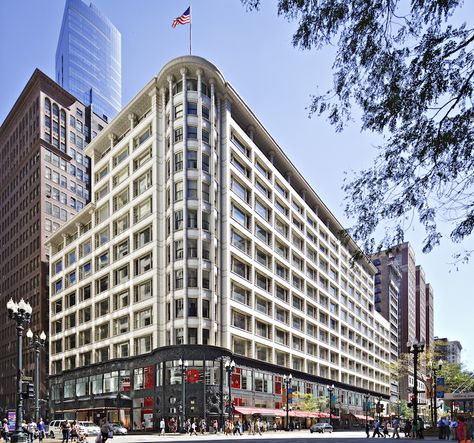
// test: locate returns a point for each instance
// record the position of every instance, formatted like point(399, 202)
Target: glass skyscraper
point(88, 58)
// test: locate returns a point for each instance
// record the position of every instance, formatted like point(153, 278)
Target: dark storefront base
point(140, 401)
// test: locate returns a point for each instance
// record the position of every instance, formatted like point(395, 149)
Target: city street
point(301, 436)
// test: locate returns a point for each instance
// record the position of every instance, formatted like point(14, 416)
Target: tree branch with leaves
point(410, 71)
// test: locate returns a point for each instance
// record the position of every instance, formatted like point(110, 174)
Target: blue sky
point(253, 51)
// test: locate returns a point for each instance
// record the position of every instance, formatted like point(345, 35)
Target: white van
point(54, 429)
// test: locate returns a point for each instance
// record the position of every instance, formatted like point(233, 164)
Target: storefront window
point(125, 381)
point(69, 388)
point(143, 378)
point(82, 386)
point(96, 383)
point(111, 381)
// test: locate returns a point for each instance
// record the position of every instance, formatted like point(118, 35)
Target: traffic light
point(28, 391)
point(31, 390)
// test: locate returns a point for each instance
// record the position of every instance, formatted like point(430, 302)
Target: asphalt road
point(300, 436)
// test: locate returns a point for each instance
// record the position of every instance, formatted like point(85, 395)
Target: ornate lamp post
point(366, 398)
point(183, 366)
point(330, 391)
point(415, 348)
point(37, 342)
point(21, 313)
point(287, 381)
point(229, 368)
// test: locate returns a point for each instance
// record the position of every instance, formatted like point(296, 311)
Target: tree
point(411, 72)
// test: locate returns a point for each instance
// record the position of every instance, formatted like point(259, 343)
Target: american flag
point(182, 19)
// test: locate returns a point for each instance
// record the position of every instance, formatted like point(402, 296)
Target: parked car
point(88, 428)
point(320, 427)
point(118, 429)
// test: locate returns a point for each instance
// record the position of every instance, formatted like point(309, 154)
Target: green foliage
point(405, 411)
point(411, 74)
point(306, 402)
point(455, 377)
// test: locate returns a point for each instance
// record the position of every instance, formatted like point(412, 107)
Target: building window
point(192, 190)
point(178, 220)
point(178, 135)
point(143, 291)
point(143, 264)
point(143, 237)
point(121, 200)
point(121, 325)
point(143, 344)
point(192, 278)
point(178, 162)
point(121, 275)
point(178, 279)
point(191, 108)
point(143, 318)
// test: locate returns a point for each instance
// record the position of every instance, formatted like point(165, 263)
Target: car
point(320, 427)
point(88, 428)
point(118, 429)
point(54, 429)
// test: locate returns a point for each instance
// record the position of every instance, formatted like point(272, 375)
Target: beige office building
point(203, 242)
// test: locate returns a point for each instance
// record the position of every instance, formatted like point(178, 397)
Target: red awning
point(259, 411)
point(244, 410)
point(362, 417)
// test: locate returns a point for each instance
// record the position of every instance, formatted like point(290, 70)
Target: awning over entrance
point(362, 417)
point(259, 411)
point(281, 412)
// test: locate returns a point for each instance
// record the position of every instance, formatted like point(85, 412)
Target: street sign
point(440, 385)
point(463, 396)
point(25, 378)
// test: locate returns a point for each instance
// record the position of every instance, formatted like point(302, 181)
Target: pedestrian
point(41, 429)
point(215, 426)
point(385, 429)
point(367, 428)
point(377, 430)
point(453, 424)
point(396, 426)
point(461, 430)
point(193, 429)
point(446, 430)
point(258, 426)
point(106, 431)
point(31, 429)
point(74, 431)
point(407, 428)
point(66, 430)
point(5, 430)
point(421, 428)
point(162, 426)
point(440, 426)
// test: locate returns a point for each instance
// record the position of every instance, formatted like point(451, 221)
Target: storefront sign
point(192, 375)
point(11, 420)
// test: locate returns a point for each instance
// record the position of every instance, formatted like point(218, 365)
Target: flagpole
point(190, 30)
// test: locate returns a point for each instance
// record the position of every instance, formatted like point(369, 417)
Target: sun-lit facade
point(203, 242)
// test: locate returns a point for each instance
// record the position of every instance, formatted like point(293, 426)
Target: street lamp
point(287, 381)
point(183, 366)
point(21, 313)
point(415, 348)
point(229, 368)
point(366, 398)
point(37, 342)
point(330, 391)
point(434, 408)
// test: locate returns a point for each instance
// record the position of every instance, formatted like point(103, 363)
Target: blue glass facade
point(88, 58)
